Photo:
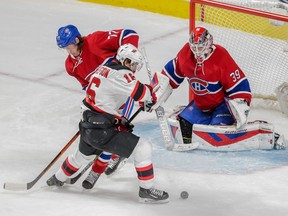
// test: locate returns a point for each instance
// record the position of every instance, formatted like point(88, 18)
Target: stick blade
point(15, 186)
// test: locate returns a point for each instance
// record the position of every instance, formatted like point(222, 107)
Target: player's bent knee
point(142, 151)
point(80, 159)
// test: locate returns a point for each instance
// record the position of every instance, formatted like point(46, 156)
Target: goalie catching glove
point(161, 90)
point(240, 109)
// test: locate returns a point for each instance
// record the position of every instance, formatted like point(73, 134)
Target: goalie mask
point(200, 42)
point(67, 35)
point(132, 55)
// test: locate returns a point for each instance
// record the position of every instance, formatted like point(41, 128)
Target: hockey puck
point(184, 195)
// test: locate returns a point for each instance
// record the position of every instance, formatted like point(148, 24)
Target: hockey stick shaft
point(75, 179)
point(29, 185)
point(160, 113)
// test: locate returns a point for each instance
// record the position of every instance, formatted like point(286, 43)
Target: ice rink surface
point(40, 111)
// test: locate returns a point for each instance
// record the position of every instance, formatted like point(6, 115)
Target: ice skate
point(115, 164)
point(153, 195)
point(90, 180)
point(53, 181)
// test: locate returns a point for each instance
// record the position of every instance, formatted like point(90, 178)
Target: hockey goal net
point(255, 34)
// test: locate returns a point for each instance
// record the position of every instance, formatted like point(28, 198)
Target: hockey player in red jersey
point(213, 75)
point(102, 126)
point(222, 97)
point(86, 54)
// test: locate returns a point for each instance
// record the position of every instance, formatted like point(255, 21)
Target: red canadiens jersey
point(111, 85)
point(216, 78)
point(98, 48)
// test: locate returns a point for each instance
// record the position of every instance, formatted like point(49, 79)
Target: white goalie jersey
point(111, 85)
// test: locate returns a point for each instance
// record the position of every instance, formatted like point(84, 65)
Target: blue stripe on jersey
point(127, 32)
point(109, 60)
point(169, 68)
point(214, 87)
point(127, 110)
point(242, 86)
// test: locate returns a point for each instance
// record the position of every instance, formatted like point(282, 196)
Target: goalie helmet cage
point(254, 33)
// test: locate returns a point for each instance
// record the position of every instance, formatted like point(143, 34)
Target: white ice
point(40, 110)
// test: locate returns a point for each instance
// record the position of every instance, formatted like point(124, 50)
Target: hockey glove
point(239, 108)
point(161, 90)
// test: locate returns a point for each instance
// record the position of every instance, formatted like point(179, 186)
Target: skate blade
point(152, 201)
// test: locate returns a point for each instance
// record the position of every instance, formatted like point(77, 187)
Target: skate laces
point(92, 177)
point(156, 192)
point(113, 163)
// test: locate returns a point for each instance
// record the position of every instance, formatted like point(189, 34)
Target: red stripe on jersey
point(139, 91)
point(135, 89)
point(92, 106)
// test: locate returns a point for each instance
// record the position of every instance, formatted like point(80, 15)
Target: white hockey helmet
point(130, 52)
point(200, 42)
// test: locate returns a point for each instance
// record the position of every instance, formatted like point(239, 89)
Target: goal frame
point(227, 6)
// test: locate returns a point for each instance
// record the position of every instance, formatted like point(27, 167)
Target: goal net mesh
point(258, 44)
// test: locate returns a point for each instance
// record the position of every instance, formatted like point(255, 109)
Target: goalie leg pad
point(175, 129)
point(253, 136)
point(176, 135)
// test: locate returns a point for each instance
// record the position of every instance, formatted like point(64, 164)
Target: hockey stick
point(160, 113)
point(75, 179)
point(29, 185)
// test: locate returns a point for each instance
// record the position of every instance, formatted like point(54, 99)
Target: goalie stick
point(75, 179)
point(160, 113)
point(26, 186)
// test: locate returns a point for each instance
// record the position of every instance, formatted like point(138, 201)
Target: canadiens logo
point(199, 86)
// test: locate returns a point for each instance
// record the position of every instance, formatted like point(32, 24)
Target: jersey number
point(130, 77)
point(235, 75)
point(92, 87)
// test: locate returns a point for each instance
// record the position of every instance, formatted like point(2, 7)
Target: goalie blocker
point(252, 136)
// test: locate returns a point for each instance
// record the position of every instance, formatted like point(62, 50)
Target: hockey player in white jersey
point(104, 129)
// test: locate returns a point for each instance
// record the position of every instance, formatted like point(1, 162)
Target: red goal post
point(255, 34)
